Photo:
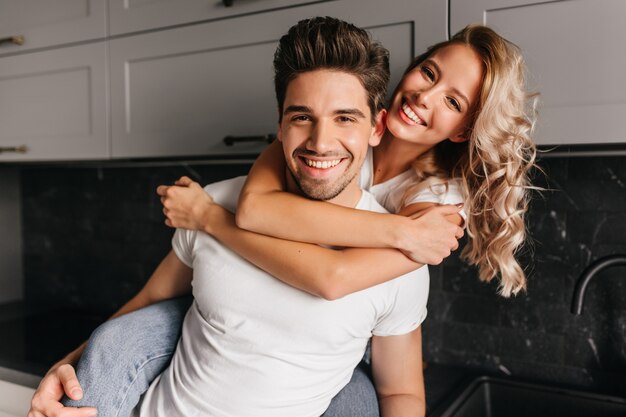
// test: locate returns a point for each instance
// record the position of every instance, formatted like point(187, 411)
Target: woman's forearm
point(320, 271)
point(288, 216)
point(264, 207)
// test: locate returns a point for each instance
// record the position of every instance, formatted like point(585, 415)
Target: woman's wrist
point(398, 233)
point(209, 218)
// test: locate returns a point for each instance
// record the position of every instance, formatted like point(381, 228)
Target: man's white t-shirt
point(254, 346)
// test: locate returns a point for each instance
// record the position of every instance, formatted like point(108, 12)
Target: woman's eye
point(429, 73)
point(454, 103)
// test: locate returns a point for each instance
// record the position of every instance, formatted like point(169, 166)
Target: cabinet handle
point(15, 40)
point(231, 140)
point(16, 149)
point(228, 3)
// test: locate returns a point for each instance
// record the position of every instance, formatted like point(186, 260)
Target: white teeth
point(322, 164)
point(411, 114)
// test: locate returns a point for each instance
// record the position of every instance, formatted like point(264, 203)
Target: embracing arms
point(318, 270)
point(425, 235)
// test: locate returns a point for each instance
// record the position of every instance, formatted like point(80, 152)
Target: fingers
point(184, 181)
point(70, 383)
point(65, 412)
point(46, 400)
point(446, 209)
point(162, 190)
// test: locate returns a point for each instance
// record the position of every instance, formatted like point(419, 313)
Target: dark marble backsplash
point(580, 217)
point(93, 235)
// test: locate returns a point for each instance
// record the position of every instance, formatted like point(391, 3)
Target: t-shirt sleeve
point(182, 243)
point(406, 309)
point(224, 193)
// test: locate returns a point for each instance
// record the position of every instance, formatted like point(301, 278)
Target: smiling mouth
point(410, 114)
point(321, 164)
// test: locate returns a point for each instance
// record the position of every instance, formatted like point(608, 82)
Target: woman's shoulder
point(435, 190)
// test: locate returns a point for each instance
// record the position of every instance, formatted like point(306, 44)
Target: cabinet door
point(179, 92)
point(54, 104)
point(135, 15)
point(44, 23)
point(576, 58)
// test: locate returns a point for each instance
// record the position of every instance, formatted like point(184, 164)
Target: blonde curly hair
point(493, 165)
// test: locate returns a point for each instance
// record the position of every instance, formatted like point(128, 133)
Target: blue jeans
point(125, 354)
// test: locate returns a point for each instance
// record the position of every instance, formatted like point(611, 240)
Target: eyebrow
point(305, 109)
point(454, 90)
point(297, 109)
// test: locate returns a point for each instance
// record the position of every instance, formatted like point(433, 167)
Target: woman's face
point(435, 100)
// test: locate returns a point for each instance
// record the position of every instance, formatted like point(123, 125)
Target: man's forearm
point(402, 405)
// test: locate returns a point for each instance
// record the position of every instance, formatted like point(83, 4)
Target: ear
point(380, 124)
point(460, 137)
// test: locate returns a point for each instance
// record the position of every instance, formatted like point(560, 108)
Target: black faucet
point(588, 274)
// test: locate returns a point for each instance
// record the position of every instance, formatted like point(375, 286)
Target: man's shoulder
point(368, 202)
point(226, 192)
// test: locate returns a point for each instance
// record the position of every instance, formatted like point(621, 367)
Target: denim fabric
point(357, 399)
point(124, 355)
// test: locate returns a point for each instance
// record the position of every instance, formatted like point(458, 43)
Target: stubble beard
point(321, 190)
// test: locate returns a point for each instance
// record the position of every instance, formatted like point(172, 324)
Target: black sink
point(493, 397)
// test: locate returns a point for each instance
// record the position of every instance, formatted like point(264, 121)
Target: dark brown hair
point(329, 43)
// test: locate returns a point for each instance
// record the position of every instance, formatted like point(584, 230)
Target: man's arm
point(171, 279)
point(398, 374)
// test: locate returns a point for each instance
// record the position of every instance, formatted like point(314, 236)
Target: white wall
point(11, 276)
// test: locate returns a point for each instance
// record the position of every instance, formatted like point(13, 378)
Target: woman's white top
point(390, 194)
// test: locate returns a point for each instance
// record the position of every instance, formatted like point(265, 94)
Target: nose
point(423, 98)
point(322, 137)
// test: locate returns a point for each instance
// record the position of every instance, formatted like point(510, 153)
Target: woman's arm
point(320, 271)
point(265, 208)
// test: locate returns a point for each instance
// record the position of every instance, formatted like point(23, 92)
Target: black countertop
point(441, 381)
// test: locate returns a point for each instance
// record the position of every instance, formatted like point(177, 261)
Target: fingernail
point(77, 392)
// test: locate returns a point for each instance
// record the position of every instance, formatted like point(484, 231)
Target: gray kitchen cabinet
point(180, 91)
point(576, 56)
point(53, 104)
point(42, 23)
point(127, 16)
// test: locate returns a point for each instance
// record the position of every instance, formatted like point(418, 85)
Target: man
point(251, 345)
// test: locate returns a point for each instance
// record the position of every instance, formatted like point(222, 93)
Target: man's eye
point(300, 118)
point(428, 73)
point(345, 119)
point(454, 103)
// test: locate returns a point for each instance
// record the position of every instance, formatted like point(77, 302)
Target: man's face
point(325, 131)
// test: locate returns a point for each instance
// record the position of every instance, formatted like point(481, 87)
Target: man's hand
point(46, 402)
point(432, 234)
point(185, 204)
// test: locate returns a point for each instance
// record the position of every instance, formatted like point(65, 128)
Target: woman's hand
point(431, 232)
point(185, 204)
